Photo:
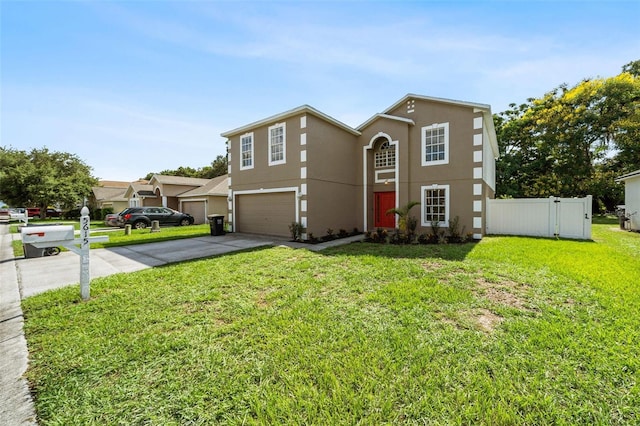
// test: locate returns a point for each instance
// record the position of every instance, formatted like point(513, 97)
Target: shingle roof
point(111, 194)
point(179, 180)
point(216, 186)
point(113, 190)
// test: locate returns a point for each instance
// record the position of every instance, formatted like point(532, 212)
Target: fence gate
point(541, 217)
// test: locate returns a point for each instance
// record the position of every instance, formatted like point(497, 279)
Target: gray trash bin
point(216, 224)
point(43, 240)
point(32, 251)
point(622, 218)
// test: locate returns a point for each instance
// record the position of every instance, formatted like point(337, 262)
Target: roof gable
point(140, 189)
point(385, 116)
point(304, 109)
point(438, 100)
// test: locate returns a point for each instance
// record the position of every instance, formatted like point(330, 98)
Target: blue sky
point(133, 87)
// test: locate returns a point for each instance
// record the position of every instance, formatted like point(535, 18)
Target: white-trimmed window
point(246, 151)
point(277, 144)
point(385, 156)
point(435, 144)
point(435, 205)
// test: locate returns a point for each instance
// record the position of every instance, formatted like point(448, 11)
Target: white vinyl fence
point(541, 217)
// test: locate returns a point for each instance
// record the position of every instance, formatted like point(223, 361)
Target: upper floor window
point(385, 156)
point(435, 144)
point(246, 151)
point(277, 144)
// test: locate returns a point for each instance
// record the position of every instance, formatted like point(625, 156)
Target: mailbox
point(37, 238)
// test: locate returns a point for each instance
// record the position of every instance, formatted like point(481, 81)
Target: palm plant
point(406, 223)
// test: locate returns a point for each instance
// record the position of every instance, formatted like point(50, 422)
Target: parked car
point(5, 216)
point(54, 213)
point(111, 219)
point(141, 217)
point(33, 212)
point(18, 213)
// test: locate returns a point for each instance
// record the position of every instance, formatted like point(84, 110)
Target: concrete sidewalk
point(16, 407)
point(22, 277)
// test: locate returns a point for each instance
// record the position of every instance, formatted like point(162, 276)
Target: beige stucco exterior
point(330, 167)
point(205, 200)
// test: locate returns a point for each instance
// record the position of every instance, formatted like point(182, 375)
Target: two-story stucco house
point(305, 166)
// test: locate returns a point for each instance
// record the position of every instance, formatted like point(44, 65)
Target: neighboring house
point(168, 188)
point(141, 194)
point(208, 199)
point(632, 198)
point(111, 194)
point(305, 166)
point(198, 197)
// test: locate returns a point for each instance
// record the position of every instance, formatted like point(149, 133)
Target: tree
point(218, 167)
point(632, 68)
point(41, 178)
point(572, 141)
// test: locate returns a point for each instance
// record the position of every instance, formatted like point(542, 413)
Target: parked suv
point(141, 217)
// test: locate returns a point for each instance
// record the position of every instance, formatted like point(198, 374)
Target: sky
point(138, 87)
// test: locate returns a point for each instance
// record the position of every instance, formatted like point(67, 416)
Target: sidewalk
point(17, 406)
point(27, 277)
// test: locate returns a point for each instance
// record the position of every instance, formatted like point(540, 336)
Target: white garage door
point(266, 214)
point(195, 209)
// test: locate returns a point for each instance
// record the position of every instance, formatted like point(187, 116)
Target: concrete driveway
point(37, 275)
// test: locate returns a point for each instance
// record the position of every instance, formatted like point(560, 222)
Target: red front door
point(383, 202)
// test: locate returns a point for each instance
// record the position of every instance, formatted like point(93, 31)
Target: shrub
point(329, 235)
point(296, 229)
point(455, 233)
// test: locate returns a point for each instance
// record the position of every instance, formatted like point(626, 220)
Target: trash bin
point(622, 218)
point(39, 241)
point(32, 251)
point(216, 224)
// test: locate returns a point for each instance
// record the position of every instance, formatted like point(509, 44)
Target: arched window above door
point(385, 155)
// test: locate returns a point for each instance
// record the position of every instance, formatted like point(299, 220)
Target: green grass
point(507, 331)
point(118, 238)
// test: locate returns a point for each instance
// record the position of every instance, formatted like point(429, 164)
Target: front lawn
point(118, 238)
point(508, 331)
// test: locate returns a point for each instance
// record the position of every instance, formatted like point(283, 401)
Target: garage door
point(195, 209)
point(266, 214)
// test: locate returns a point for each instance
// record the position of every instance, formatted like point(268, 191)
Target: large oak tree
point(573, 141)
point(41, 178)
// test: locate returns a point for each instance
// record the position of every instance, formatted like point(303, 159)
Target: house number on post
point(85, 267)
point(85, 240)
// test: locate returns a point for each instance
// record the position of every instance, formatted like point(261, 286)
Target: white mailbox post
point(63, 235)
point(84, 241)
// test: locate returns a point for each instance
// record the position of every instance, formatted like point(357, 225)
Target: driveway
point(39, 274)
